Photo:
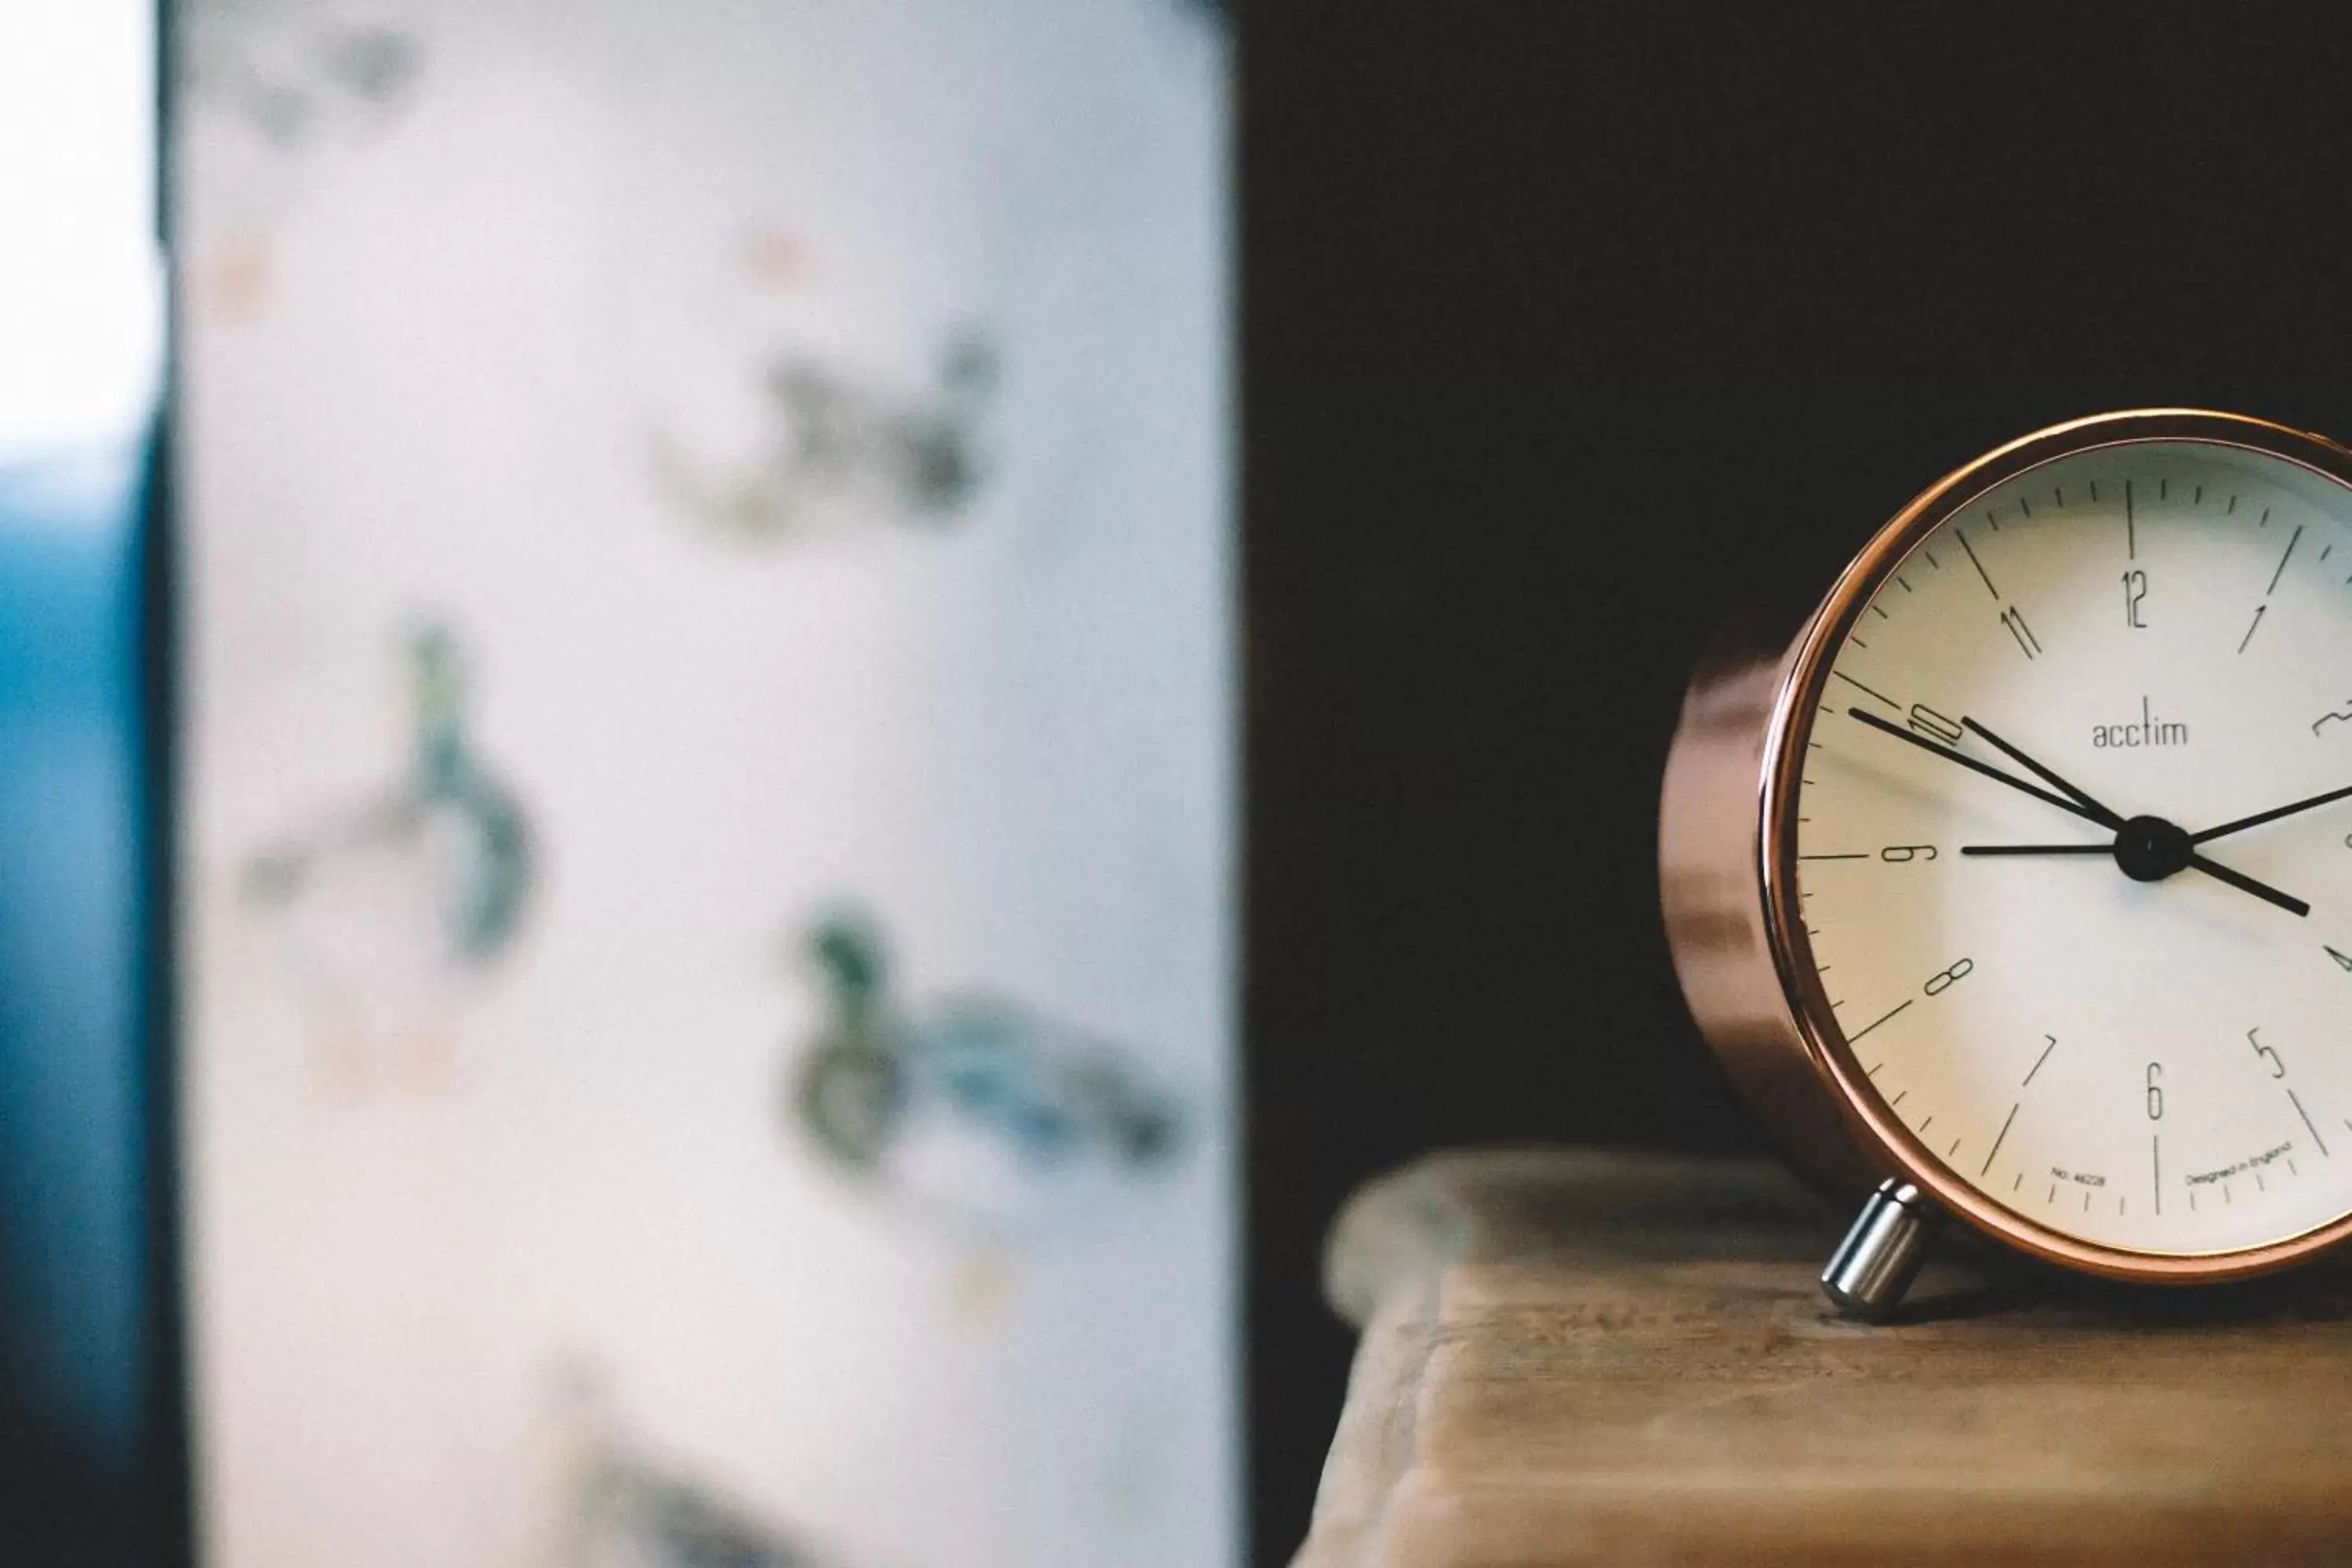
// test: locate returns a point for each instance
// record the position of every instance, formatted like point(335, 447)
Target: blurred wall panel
point(708, 932)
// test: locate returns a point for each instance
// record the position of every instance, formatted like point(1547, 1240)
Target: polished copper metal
point(1727, 868)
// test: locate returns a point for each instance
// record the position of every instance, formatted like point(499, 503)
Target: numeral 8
point(1952, 977)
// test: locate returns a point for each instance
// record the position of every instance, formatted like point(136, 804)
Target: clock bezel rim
point(1797, 704)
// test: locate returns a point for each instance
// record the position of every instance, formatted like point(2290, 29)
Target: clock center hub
point(2149, 850)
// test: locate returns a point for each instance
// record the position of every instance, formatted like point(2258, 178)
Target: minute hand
point(1949, 755)
point(2273, 815)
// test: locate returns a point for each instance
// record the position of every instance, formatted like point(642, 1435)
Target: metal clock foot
point(1875, 1264)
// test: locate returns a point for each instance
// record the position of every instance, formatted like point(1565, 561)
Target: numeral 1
point(2014, 619)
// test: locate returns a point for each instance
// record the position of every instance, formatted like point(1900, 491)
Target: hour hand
point(2104, 816)
point(2108, 848)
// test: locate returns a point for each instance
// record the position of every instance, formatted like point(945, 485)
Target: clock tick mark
point(2282, 566)
point(1997, 1140)
point(2095, 489)
point(2315, 1138)
point(2163, 489)
point(1852, 1038)
point(1971, 549)
point(2231, 508)
point(1858, 686)
point(2019, 1182)
point(2025, 506)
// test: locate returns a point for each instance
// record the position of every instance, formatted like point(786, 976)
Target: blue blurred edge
point(91, 1422)
point(94, 1450)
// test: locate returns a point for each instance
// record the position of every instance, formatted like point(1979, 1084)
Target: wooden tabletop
point(1580, 1358)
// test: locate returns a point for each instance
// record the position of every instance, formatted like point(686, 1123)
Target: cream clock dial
point(2072, 849)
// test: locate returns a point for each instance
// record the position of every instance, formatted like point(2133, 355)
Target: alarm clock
point(2017, 888)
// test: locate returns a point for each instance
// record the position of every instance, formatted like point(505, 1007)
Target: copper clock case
point(1728, 847)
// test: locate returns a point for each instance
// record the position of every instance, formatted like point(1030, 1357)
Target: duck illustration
point(836, 449)
point(282, 96)
point(641, 1518)
point(606, 1506)
point(981, 1108)
point(388, 907)
point(298, 76)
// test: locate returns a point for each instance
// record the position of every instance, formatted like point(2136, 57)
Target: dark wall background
point(1570, 328)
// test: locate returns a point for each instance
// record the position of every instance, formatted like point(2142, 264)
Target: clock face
point(2100, 1035)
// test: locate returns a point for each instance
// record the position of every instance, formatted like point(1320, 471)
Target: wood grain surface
point(1580, 1358)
